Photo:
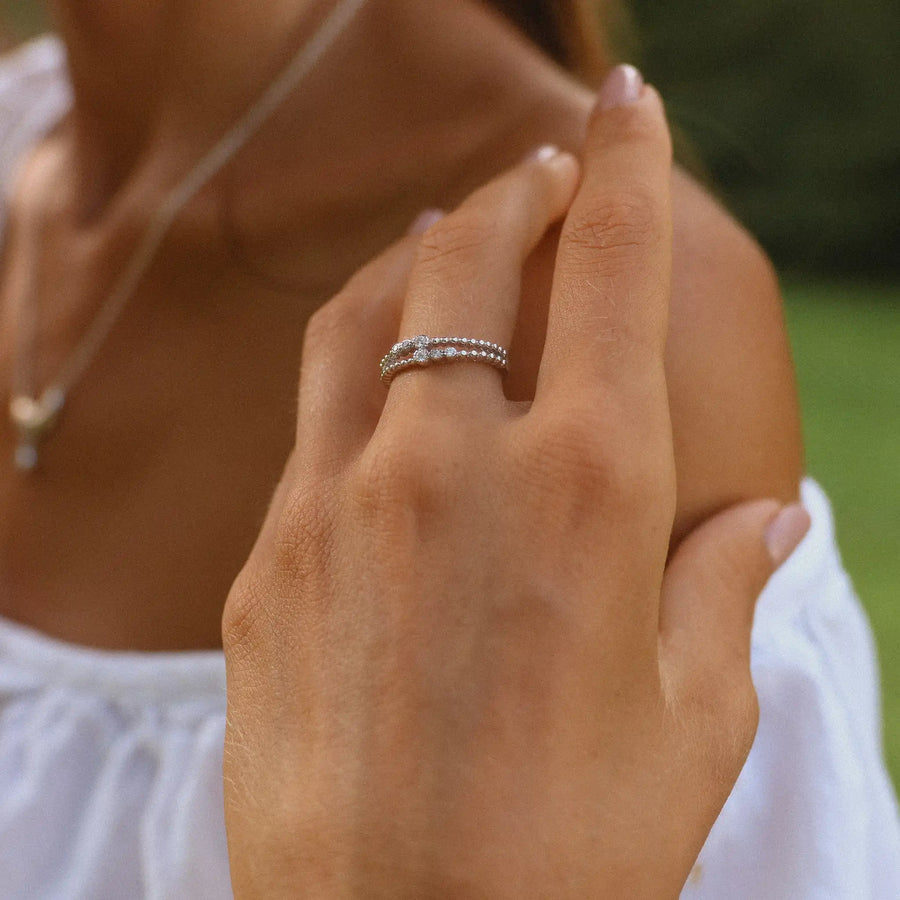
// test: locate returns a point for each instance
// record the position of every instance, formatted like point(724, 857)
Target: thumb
point(712, 582)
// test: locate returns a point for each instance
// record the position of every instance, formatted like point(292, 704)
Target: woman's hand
point(457, 662)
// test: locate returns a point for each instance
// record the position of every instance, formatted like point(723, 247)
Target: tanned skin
point(156, 483)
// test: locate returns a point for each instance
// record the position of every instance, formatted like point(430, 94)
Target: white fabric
point(110, 763)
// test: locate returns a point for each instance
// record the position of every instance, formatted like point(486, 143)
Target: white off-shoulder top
point(110, 762)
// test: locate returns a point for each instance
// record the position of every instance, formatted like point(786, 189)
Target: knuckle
point(566, 448)
point(642, 479)
point(379, 478)
point(396, 478)
point(285, 579)
point(285, 566)
point(240, 617)
point(302, 536)
point(621, 222)
point(598, 459)
point(458, 237)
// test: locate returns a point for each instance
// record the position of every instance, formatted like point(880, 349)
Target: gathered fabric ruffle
point(814, 814)
point(110, 772)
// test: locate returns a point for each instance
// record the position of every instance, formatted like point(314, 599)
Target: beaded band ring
point(423, 351)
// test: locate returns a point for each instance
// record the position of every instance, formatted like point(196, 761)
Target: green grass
point(847, 348)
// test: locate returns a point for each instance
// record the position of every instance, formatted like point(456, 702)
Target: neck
point(406, 93)
point(144, 71)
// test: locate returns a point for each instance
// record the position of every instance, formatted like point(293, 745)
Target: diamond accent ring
point(422, 350)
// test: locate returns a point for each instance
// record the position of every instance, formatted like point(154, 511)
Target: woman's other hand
point(458, 664)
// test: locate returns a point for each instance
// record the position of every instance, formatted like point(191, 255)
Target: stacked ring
point(423, 351)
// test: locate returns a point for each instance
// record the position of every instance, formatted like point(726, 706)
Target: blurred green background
point(791, 106)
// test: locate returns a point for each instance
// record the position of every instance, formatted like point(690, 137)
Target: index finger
point(609, 305)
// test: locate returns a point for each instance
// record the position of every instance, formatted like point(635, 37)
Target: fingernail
point(786, 531)
point(623, 86)
point(543, 154)
point(425, 220)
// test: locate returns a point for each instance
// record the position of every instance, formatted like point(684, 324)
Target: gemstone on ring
point(422, 350)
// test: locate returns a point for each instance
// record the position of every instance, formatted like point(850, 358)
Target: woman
point(175, 459)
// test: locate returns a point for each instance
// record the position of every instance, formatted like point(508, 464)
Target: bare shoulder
point(731, 380)
point(733, 399)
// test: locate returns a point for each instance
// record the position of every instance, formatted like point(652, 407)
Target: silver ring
point(423, 351)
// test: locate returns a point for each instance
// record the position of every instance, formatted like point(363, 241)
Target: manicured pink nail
point(786, 531)
point(543, 154)
point(425, 220)
point(623, 85)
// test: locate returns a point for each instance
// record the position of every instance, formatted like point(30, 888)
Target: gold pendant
point(33, 419)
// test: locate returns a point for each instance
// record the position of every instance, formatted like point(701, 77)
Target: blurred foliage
point(845, 340)
point(792, 106)
point(18, 19)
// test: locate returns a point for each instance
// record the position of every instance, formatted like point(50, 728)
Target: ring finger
point(467, 276)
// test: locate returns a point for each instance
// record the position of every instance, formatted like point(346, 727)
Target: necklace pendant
point(33, 419)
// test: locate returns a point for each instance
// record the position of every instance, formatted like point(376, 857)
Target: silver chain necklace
point(34, 416)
